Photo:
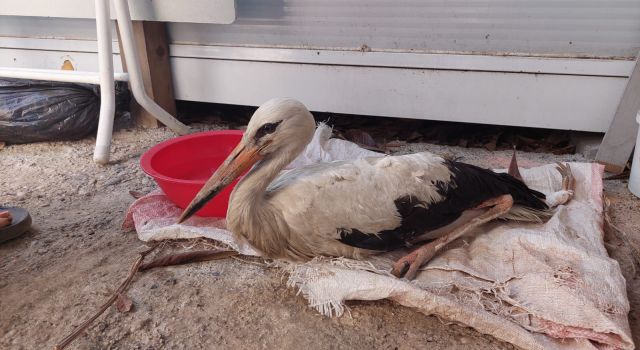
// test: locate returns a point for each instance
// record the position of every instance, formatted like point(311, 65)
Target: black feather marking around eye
point(266, 129)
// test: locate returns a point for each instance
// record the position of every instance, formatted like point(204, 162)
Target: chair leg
point(107, 85)
point(132, 60)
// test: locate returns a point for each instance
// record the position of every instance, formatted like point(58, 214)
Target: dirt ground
point(76, 254)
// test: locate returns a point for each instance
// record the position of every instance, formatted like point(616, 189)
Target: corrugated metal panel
point(603, 28)
point(48, 27)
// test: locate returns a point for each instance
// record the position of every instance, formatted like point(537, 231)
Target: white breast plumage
point(321, 200)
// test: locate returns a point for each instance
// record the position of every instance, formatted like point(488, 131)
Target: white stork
point(356, 208)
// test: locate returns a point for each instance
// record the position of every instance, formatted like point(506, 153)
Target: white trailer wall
point(559, 64)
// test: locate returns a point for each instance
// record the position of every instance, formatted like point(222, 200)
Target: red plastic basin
point(181, 166)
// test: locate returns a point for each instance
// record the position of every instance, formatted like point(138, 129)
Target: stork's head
point(279, 124)
point(280, 128)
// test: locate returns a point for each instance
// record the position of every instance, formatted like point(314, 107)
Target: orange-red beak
point(240, 160)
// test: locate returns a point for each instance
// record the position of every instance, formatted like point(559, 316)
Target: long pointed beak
point(240, 160)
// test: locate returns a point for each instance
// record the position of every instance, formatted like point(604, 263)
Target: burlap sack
point(538, 286)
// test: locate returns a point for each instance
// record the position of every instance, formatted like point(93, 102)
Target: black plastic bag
point(32, 111)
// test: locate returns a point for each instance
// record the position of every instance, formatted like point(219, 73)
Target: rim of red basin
point(147, 157)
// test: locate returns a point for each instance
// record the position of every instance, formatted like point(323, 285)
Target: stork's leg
point(409, 265)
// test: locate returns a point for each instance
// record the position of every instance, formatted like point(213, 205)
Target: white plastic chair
point(106, 77)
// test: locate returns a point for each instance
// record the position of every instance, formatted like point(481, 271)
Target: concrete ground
point(76, 255)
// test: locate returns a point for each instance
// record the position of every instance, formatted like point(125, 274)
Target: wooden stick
point(71, 337)
point(188, 257)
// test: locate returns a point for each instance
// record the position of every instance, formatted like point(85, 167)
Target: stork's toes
point(568, 181)
point(409, 265)
point(401, 267)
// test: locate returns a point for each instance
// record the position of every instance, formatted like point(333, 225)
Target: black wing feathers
point(476, 185)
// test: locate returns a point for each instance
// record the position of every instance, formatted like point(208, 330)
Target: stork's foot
point(558, 198)
point(568, 184)
point(409, 265)
point(568, 181)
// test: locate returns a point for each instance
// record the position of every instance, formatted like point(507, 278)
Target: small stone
point(464, 340)
point(41, 251)
point(345, 320)
point(113, 182)
point(140, 324)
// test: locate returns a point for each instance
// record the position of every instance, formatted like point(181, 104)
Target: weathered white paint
point(77, 45)
point(51, 59)
point(194, 11)
point(537, 100)
point(488, 63)
point(515, 64)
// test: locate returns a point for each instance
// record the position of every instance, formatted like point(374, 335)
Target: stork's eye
point(266, 129)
